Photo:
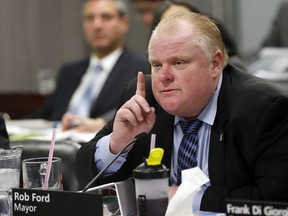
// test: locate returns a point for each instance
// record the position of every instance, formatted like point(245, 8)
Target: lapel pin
point(221, 137)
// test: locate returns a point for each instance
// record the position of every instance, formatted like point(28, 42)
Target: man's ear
point(125, 23)
point(217, 62)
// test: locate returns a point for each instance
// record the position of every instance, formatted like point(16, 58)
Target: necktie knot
point(190, 127)
point(98, 68)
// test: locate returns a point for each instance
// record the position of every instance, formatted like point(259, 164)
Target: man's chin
point(170, 108)
point(101, 47)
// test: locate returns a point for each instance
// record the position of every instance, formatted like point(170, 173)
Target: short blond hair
point(206, 34)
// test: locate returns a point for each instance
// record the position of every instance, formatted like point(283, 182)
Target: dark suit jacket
point(278, 35)
point(126, 68)
point(248, 156)
point(4, 140)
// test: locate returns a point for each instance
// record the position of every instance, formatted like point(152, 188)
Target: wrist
point(115, 146)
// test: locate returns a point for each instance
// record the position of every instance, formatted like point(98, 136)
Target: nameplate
point(257, 208)
point(56, 203)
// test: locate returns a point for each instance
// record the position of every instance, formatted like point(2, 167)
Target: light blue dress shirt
point(107, 63)
point(103, 155)
point(207, 116)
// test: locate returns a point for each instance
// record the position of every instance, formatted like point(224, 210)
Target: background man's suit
point(248, 143)
point(278, 35)
point(126, 68)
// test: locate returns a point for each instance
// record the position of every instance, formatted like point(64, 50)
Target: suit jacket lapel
point(67, 86)
point(217, 145)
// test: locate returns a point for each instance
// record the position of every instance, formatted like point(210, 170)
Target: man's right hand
point(133, 118)
point(82, 124)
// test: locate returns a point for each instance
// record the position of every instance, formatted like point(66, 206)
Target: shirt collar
point(208, 114)
point(108, 61)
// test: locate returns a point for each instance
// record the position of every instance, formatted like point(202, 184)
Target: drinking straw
point(51, 151)
point(153, 141)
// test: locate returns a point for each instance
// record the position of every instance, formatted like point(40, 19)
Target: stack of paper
point(39, 129)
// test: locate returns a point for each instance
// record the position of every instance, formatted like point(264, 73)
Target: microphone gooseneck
point(138, 137)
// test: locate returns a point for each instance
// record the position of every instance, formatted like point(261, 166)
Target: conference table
point(36, 134)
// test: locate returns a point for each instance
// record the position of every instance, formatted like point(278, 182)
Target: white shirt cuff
point(103, 156)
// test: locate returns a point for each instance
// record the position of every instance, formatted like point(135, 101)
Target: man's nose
point(97, 22)
point(166, 74)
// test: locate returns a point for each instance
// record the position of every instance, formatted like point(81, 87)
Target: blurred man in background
point(146, 9)
point(89, 89)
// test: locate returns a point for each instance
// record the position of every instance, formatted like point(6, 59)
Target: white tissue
point(182, 202)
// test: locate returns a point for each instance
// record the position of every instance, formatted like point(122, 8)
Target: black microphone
point(138, 137)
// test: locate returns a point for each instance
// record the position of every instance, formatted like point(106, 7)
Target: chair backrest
point(66, 150)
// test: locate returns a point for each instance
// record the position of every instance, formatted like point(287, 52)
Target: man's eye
point(179, 62)
point(155, 65)
point(107, 18)
point(89, 18)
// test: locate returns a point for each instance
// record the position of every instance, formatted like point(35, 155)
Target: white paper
point(182, 202)
point(38, 129)
point(125, 191)
point(271, 64)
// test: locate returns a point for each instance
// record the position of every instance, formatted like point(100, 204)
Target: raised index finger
point(141, 85)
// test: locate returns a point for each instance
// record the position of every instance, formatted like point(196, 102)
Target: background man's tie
point(84, 106)
point(187, 152)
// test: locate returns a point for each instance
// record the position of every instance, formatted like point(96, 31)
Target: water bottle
point(151, 185)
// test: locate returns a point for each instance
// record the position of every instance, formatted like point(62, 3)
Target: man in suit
point(105, 24)
point(278, 35)
point(242, 142)
point(4, 140)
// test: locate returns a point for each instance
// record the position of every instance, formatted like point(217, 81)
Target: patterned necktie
point(84, 105)
point(187, 152)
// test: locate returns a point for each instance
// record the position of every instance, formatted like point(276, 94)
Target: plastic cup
point(34, 171)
